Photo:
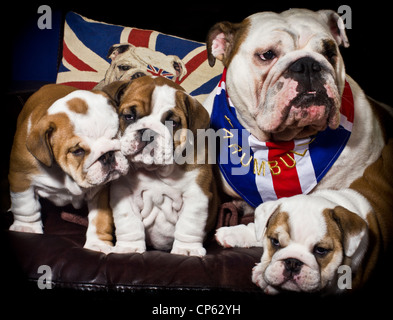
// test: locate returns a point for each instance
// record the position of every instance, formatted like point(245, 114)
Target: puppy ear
point(115, 91)
point(38, 141)
point(116, 49)
point(220, 41)
point(263, 213)
point(354, 230)
point(336, 26)
point(197, 116)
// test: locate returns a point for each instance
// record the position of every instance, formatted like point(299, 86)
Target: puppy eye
point(275, 242)
point(174, 123)
point(123, 67)
point(129, 116)
point(268, 55)
point(79, 152)
point(321, 252)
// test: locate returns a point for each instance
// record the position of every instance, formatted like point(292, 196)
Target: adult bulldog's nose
point(307, 72)
point(305, 65)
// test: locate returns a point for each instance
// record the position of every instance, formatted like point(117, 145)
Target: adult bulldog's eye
point(123, 67)
point(268, 55)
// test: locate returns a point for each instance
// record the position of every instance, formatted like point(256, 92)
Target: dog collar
point(263, 171)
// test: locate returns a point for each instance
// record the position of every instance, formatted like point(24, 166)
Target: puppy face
point(157, 119)
point(130, 62)
point(78, 134)
point(285, 72)
point(304, 244)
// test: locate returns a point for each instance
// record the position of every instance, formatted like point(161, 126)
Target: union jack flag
point(160, 72)
point(86, 44)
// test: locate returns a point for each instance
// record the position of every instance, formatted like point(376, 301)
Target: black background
point(368, 59)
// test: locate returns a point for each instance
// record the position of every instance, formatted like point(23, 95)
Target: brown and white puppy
point(65, 149)
point(130, 62)
point(285, 77)
point(168, 201)
point(306, 240)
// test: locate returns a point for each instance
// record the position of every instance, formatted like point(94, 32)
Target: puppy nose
point(147, 135)
point(293, 265)
point(107, 158)
point(305, 65)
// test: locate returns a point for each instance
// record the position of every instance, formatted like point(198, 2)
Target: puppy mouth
point(109, 166)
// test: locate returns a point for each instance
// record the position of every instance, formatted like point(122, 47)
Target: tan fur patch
point(23, 165)
point(78, 105)
point(331, 241)
point(104, 219)
point(278, 228)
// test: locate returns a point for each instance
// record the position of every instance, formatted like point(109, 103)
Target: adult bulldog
point(129, 62)
point(306, 126)
point(303, 124)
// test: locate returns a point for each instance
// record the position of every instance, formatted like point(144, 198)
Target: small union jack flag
point(160, 72)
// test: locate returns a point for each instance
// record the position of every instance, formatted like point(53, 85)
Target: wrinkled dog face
point(79, 133)
point(305, 242)
point(156, 119)
point(297, 260)
point(130, 62)
point(286, 74)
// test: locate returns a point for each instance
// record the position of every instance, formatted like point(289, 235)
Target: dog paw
point(100, 246)
point(259, 280)
point(190, 249)
point(129, 247)
point(30, 227)
point(257, 276)
point(238, 236)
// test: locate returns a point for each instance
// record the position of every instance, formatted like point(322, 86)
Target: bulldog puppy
point(285, 80)
point(130, 62)
point(306, 239)
point(168, 200)
point(65, 149)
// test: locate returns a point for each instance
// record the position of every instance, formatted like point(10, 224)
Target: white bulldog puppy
point(305, 240)
point(65, 149)
point(166, 201)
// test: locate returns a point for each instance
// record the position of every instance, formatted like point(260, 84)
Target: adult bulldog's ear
point(116, 49)
point(220, 41)
point(336, 26)
point(38, 141)
point(115, 91)
point(179, 66)
point(263, 213)
point(354, 231)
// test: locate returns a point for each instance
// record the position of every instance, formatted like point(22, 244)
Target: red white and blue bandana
point(262, 171)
